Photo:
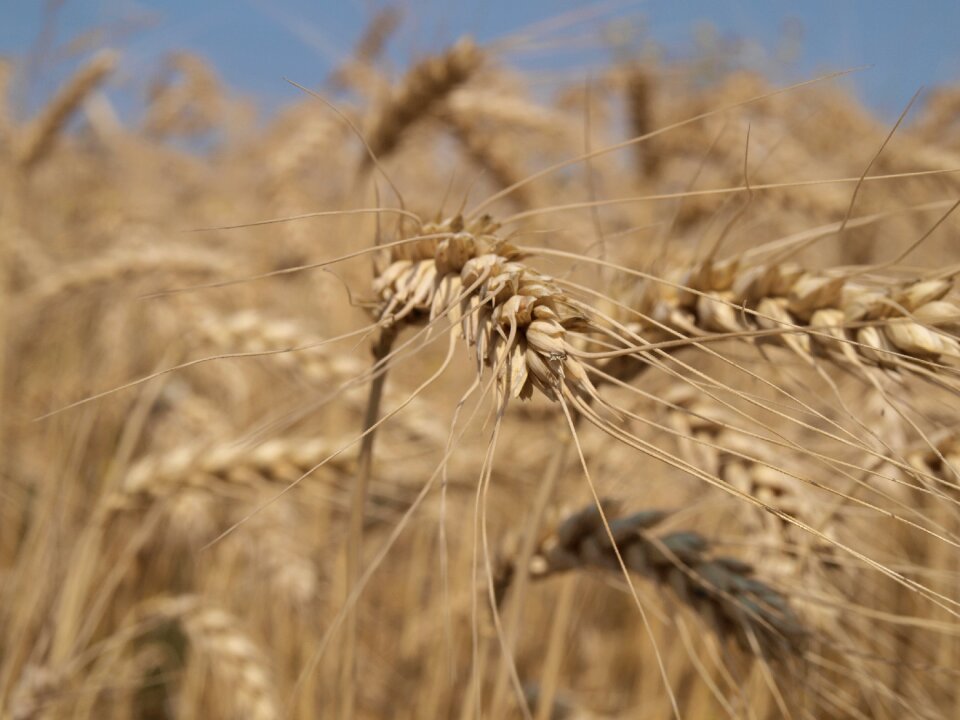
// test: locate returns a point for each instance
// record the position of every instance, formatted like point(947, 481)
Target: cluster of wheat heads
point(655, 426)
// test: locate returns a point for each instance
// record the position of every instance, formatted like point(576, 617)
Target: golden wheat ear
point(425, 86)
point(236, 666)
point(40, 135)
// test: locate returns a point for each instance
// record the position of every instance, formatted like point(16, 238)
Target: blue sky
point(254, 44)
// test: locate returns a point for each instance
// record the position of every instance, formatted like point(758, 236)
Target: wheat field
point(462, 391)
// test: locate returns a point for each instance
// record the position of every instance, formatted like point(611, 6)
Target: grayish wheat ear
point(722, 590)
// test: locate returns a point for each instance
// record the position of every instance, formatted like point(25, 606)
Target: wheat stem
point(354, 548)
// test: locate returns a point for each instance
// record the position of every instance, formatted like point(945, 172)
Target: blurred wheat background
point(729, 346)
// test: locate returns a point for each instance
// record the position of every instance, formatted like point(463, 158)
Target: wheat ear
point(707, 443)
point(899, 326)
point(423, 88)
point(722, 590)
point(41, 133)
point(234, 659)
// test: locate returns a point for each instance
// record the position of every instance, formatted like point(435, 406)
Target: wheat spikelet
point(298, 142)
point(40, 135)
point(281, 560)
point(425, 86)
point(190, 484)
point(321, 365)
point(500, 108)
point(359, 71)
point(939, 120)
point(189, 107)
point(6, 121)
point(192, 481)
point(722, 590)
point(639, 88)
point(37, 688)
